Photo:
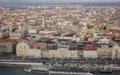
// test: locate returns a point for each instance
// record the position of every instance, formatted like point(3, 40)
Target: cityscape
point(66, 35)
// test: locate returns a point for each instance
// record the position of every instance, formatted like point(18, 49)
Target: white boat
point(58, 70)
point(115, 68)
point(38, 69)
point(68, 70)
point(27, 69)
point(70, 73)
point(105, 70)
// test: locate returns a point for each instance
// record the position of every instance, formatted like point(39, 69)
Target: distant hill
point(67, 3)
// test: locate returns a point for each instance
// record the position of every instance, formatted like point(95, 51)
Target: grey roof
point(70, 27)
point(2, 30)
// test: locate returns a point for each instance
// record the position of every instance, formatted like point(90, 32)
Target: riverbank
point(19, 64)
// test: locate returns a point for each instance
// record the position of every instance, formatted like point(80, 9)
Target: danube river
point(20, 71)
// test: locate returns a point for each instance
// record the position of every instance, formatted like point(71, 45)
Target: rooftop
point(7, 40)
point(89, 47)
point(37, 45)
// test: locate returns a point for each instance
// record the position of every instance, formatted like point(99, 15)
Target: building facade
point(89, 52)
point(7, 45)
point(22, 49)
point(15, 35)
point(116, 52)
point(3, 34)
point(104, 51)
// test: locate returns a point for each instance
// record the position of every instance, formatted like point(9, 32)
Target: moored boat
point(92, 71)
point(73, 73)
point(105, 70)
point(68, 70)
point(27, 69)
point(116, 68)
point(38, 69)
point(58, 70)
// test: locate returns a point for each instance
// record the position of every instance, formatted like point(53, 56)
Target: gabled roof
point(37, 45)
point(89, 47)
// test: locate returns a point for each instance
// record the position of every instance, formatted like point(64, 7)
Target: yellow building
point(3, 34)
point(53, 54)
point(22, 49)
point(15, 35)
point(59, 53)
point(45, 54)
point(104, 51)
point(62, 53)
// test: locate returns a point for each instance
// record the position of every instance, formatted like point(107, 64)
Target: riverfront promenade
point(19, 63)
point(81, 64)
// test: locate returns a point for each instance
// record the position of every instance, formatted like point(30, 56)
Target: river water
point(20, 71)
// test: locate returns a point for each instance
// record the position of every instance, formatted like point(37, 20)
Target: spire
point(20, 27)
point(10, 28)
point(43, 22)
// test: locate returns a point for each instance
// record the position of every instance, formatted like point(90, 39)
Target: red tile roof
point(99, 21)
point(7, 40)
point(117, 38)
point(114, 30)
point(89, 47)
point(37, 45)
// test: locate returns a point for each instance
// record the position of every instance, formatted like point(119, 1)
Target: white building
point(89, 52)
point(35, 53)
point(36, 50)
point(72, 54)
point(116, 52)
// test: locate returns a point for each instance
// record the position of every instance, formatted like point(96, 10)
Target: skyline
point(56, 1)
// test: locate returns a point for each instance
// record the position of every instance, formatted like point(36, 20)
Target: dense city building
point(61, 32)
point(8, 46)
